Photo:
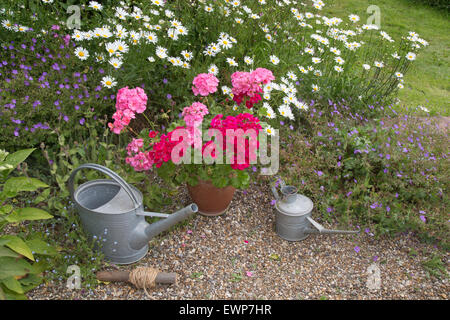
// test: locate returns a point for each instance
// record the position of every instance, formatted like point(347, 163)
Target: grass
point(427, 82)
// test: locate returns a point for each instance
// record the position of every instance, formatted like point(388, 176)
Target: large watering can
point(112, 213)
point(293, 215)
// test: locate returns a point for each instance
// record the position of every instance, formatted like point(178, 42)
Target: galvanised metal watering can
point(293, 215)
point(112, 213)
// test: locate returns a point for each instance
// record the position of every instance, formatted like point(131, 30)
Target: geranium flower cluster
point(248, 84)
point(139, 160)
point(204, 84)
point(128, 103)
point(248, 123)
point(194, 114)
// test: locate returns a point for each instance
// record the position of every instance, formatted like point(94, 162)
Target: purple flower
point(82, 121)
point(357, 249)
point(273, 202)
point(423, 218)
point(319, 173)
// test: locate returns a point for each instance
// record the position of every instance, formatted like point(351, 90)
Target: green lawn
point(427, 82)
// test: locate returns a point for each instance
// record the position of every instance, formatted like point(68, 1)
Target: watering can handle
point(274, 188)
point(109, 173)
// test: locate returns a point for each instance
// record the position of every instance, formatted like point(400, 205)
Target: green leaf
point(16, 158)
point(12, 284)
point(30, 282)
point(18, 184)
point(13, 267)
point(6, 209)
point(13, 160)
point(2, 294)
point(41, 247)
point(42, 196)
point(28, 214)
point(11, 295)
point(19, 246)
point(5, 252)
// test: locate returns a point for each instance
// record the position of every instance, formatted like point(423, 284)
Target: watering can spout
point(318, 228)
point(145, 232)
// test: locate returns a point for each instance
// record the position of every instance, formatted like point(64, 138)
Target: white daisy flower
point(338, 69)
point(378, 64)
point(339, 60)
point(111, 47)
point(269, 130)
point(291, 75)
point(81, 53)
point(150, 37)
point(269, 111)
point(95, 5)
point(115, 62)
point(366, 66)
point(315, 88)
point(226, 90)
point(248, 60)
point(187, 55)
point(161, 52)
point(353, 18)
point(274, 59)
point(109, 82)
point(411, 56)
point(213, 69)
point(232, 62)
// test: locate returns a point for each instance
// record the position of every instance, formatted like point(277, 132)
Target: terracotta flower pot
point(211, 201)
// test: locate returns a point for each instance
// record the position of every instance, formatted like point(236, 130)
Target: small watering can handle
point(109, 173)
point(274, 189)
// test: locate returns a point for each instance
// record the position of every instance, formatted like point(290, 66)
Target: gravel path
point(239, 256)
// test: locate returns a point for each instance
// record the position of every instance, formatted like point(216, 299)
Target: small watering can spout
point(322, 230)
point(145, 232)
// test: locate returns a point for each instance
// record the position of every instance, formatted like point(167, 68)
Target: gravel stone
point(238, 255)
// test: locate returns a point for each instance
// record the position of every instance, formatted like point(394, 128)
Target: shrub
point(161, 46)
point(20, 268)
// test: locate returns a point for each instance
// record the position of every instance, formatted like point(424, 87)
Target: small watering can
point(112, 213)
point(293, 215)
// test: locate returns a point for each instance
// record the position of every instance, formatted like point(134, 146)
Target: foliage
point(389, 174)
point(440, 4)
point(159, 45)
point(43, 91)
point(435, 267)
point(20, 268)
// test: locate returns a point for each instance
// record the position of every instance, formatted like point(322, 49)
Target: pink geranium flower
point(204, 84)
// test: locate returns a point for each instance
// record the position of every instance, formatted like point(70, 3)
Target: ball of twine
point(143, 278)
